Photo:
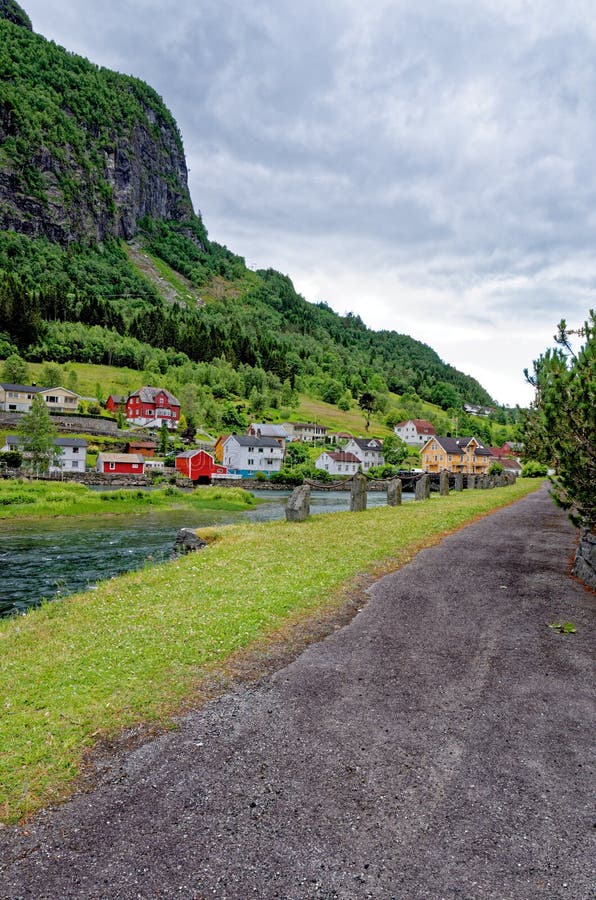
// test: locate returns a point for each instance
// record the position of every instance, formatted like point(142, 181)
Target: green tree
point(15, 370)
point(163, 439)
point(394, 450)
point(560, 428)
point(296, 453)
point(51, 375)
point(366, 402)
point(38, 433)
point(445, 395)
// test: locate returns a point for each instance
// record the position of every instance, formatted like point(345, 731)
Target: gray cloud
point(440, 153)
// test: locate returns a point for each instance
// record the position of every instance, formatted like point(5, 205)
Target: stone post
point(422, 488)
point(298, 505)
point(459, 482)
point(358, 495)
point(444, 484)
point(472, 482)
point(394, 489)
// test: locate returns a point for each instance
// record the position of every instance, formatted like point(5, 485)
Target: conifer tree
point(560, 429)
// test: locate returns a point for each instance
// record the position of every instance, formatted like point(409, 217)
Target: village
point(147, 417)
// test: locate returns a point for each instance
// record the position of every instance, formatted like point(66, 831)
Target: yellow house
point(464, 454)
point(19, 397)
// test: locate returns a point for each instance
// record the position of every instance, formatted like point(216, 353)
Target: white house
point(71, 453)
point(415, 432)
point(368, 450)
point(246, 454)
point(338, 462)
point(307, 432)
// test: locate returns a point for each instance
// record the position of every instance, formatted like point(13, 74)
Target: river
point(50, 558)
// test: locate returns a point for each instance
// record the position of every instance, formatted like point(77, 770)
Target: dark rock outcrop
point(187, 541)
point(91, 174)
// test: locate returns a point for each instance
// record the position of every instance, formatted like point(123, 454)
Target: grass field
point(136, 649)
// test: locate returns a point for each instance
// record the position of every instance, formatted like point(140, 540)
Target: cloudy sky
point(428, 165)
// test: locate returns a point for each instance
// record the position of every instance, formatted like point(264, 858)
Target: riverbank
point(48, 499)
point(140, 648)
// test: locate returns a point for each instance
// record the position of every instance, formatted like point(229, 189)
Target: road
point(438, 746)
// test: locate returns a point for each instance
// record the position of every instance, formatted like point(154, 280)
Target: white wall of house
point(410, 434)
point(251, 458)
point(371, 456)
point(335, 467)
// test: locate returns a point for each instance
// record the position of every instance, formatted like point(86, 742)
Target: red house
point(120, 464)
point(115, 403)
point(153, 406)
point(199, 466)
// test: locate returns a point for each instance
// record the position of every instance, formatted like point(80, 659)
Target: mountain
point(102, 257)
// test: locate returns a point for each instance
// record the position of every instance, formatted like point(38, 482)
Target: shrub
point(534, 469)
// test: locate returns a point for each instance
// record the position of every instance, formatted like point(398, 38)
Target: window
point(75, 464)
point(135, 465)
point(251, 449)
point(52, 399)
point(112, 466)
point(250, 462)
point(261, 450)
point(75, 449)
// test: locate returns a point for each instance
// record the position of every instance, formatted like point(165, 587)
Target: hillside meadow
point(137, 649)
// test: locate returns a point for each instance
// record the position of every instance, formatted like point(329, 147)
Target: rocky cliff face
point(72, 171)
point(12, 12)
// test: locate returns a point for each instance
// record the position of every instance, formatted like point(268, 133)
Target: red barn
point(198, 465)
point(120, 464)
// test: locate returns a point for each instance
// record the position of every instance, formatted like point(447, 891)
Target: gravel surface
point(437, 746)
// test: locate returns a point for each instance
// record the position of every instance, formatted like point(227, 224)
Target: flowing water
point(50, 558)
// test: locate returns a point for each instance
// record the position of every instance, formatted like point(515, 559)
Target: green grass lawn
point(135, 650)
point(42, 499)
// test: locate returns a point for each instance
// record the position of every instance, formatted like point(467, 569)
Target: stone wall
point(584, 566)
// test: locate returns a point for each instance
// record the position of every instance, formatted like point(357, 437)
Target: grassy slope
point(135, 650)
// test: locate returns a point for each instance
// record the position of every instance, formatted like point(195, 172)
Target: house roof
point(341, 456)
point(308, 425)
point(148, 395)
point(70, 442)
point(31, 388)
point(265, 429)
point(423, 426)
point(14, 440)
point(369, 444)
point(249, 440)
point(120, 457)
point(188, 454)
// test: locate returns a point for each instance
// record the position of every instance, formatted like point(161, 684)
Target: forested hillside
point(90, 159)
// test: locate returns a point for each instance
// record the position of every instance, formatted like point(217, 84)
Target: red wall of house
point(123, 468)
point(201, 465)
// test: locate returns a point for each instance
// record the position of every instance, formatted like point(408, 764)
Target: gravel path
point(438, 746)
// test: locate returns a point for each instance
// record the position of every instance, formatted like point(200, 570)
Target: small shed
point(120, 464)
